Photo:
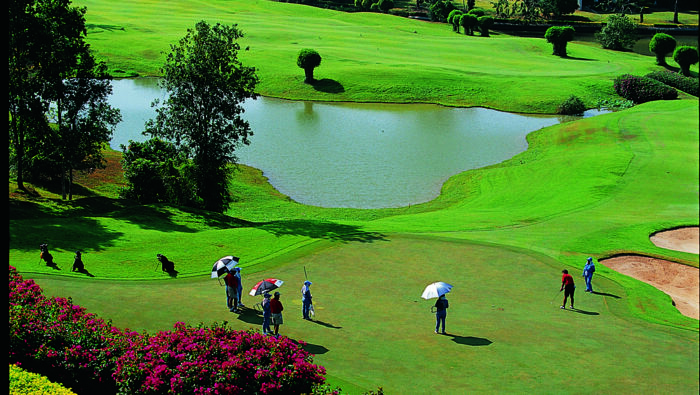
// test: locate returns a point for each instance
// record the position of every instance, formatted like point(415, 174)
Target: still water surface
point(355, 155)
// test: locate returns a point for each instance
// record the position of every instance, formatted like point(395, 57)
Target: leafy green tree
point(386, 5)
point(469, 22)
point(440, 10)
point(485, 23)
point(559, 36)
point(685, 56)
point(661, 45)
point(564, 7)
point(453, 19)
point(618, 33)
point(308, 59)
point(50, 62)
point(157, 172)
point(206, 85)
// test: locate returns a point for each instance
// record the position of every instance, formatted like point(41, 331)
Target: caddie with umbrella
point(438, 290)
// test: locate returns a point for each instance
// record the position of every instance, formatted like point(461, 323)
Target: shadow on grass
point(583, 311)
point(470, 340)
point(605, 294)
point(314, 349)
point(250, 316)
point(319, 230)
point(326, 324)
point(328, 85)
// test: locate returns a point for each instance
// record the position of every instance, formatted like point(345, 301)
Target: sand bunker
point(681, 239)
point(678, 281)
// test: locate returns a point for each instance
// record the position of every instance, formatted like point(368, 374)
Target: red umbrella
point(266, 286)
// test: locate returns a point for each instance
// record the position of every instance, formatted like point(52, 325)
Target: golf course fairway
point(501, 235)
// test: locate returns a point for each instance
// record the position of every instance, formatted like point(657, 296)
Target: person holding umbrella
point(231, 291)
point(266, 314)
point(588, 271)
point(441, 306)
point(306, 299)
point(276, 312)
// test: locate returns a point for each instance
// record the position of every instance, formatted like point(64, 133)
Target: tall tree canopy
point(50, 63)
point(206, 86)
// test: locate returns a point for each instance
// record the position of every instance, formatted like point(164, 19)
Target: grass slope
point(502, 250)
point(500, 234)
point(367, 57)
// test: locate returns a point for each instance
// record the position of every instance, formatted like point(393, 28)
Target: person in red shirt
point(231, 292)
point(276, 312)
point(567, 284)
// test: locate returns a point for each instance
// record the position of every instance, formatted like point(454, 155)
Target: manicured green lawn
point(367, 57)
point(501, 235)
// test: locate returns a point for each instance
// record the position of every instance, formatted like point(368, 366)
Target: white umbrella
point(435, 290)
point(223, 266)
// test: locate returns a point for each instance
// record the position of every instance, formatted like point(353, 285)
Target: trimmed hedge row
point(688, 85)
point(643, 89)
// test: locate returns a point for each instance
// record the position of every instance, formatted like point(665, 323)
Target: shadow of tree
point(320, 230)
point(328, 85)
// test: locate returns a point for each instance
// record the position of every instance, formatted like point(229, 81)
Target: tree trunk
point(309, 72)
point(675, 12)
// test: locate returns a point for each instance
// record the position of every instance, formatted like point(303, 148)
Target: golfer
point(306, 299)
point(239, 288)
point(441, 306)
point(266, 314)
point(276, 312)
point(588, 271)
point(567, 284)
point(231, 292)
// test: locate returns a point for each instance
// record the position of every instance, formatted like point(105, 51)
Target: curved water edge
point(357, 155)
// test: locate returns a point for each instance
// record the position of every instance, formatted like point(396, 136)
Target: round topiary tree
point(469, 22)
point(308, 60)
point(386, 5)
point(485, 23)
point(559, 36)
point(661, 45)
point(685, 56)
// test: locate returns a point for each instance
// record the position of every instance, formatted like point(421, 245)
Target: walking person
point(239, 288)
point(588, 271)
point(231, 292)
point(276, 313)
point(306, 299)
point(266, 314)
point(441, 306)
point(567, 284)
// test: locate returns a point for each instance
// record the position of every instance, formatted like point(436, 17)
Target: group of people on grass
point(271, 305)
point(567, 282)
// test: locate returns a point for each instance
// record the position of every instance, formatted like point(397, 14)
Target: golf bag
point(45, 255)
point(166, 265)
point(78, 263)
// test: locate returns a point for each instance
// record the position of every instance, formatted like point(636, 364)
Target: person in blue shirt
point(306, 299)
point(588, 271)
point(266, 314)
point(239, 288)
point(441, 306)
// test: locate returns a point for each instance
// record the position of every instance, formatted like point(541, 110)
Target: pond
point(355, 155)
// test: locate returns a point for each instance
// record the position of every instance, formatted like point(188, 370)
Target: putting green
point(505, 329)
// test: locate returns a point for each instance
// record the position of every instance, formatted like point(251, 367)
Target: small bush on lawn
point(572, 106)
point(643, 89)
point(688, 85)
point(59, 340)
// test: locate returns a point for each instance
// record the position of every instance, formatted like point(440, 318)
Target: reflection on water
point(355, 155)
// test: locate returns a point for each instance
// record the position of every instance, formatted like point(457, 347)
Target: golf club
point(555, 296)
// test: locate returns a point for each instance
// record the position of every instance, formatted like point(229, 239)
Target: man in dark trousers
point(231, 292)
point(567, 284)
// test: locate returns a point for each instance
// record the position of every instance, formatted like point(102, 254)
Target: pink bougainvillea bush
point(63, 342)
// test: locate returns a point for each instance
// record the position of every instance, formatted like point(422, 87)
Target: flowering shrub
point(643, 89)
point(63, 342)
point(688, 85)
